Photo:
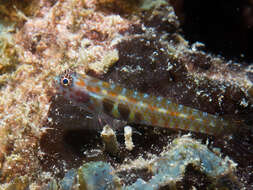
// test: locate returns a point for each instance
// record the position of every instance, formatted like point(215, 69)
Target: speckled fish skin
point(97, 96)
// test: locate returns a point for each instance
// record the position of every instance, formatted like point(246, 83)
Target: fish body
point(98, 96)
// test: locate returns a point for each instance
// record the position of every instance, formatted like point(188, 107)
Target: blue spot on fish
point(145, 95)
point(180, 107)
point(205, 114)
point(135, 94)
point(112, 86)
point(159, 98)
point(124, 91)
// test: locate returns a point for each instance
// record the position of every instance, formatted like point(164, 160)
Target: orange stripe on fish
point(101, 97)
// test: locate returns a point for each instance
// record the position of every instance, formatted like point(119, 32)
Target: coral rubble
point(166, 170)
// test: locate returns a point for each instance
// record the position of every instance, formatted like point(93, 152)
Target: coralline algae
point(166, 170)
point(69, 180)
point(97, 176)
point(170, 167)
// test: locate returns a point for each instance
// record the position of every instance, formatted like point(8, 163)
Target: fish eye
point(66, 79)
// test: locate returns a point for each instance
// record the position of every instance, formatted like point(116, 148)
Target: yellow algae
point(20, 183)
point(18, 11)
point(8, 55)
point(49, 39)
point(107, 61)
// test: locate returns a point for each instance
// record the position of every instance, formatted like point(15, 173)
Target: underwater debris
point(128, 138)
point(109, 138)
point(166, 170)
